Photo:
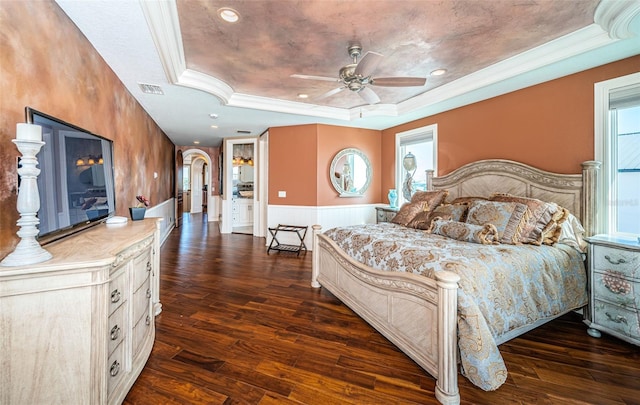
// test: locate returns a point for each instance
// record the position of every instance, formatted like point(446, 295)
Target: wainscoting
point(327, 217)
point(165, 210)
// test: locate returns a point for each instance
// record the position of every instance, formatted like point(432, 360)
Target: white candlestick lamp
point(28, 251)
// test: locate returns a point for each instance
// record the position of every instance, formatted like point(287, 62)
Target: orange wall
point(47, 63)
point(549, 125)
point(299, 160)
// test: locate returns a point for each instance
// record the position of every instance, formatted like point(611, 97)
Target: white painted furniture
point(242, 209)
point(614, 287)
point(418, 314)
point(385, 214)
point(79, 328)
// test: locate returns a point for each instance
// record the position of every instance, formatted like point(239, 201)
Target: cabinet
point(385, 214)
point(614, 287)
point(242, 211)
point(79, 328)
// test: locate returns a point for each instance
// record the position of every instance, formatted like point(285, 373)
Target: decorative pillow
point(508, 218)
point(455, 212)
point(551, 233)
point(467, 200)
point(484, 234)
point(433, 198)
point(408, 211)
point(541, 214)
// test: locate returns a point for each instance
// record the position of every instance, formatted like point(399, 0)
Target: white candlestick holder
point(28, 251)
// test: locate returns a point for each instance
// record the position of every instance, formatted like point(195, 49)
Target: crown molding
point(616, 17)
point(613, 21)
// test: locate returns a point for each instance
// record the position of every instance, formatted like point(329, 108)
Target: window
point(422, 143)
point(186, 177)
point(617, 146)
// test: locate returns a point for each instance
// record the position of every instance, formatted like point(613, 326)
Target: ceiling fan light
point(228, 14)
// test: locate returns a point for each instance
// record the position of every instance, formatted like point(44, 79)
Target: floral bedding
point(502, 287)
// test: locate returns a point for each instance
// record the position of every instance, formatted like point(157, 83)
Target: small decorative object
point(410, 165)
point(393, 197)
point(137, 212)
point(28, 251)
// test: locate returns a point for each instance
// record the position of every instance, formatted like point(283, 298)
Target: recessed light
point(228, 14)
point(302, 95)
point(438, 72)
point(214, 126)
point(196, 142)
point(213, 116)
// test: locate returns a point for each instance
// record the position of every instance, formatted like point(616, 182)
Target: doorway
point(240, 186)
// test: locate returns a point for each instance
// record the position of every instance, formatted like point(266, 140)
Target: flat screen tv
point(76, 181)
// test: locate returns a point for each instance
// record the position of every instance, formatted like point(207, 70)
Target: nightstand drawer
point(610, 286)
point(617, 319)
point(623, 261)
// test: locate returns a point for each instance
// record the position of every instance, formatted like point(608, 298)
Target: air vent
point(150, 88)
point(240, 131)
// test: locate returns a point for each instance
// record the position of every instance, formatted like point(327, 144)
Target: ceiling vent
point(150, 88)
point(240, 131)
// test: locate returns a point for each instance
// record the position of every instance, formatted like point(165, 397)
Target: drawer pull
point(617, 319)
point(115, 296)
point(115, 368)
point(621, 261)
point(115, 332)
point(148, 292)
point(148, 266)
point(148, 320)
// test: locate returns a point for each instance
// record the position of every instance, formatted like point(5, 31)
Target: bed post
point(315, 260)
point(429, 177)
point(590, 197)
point(447, 383)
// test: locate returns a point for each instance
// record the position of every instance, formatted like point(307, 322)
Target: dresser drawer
point(115, 368)
point(140, 331)
point(116, 329)
point(613, 287)
point(141, 301)
point(617, 319)
point(141, 268)
point(117, 291)
point(623, 261)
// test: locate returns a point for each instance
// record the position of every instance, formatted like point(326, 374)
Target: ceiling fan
point(356, 76)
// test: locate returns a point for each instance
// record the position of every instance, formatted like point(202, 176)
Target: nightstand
point(614, 287)
point(385, 214)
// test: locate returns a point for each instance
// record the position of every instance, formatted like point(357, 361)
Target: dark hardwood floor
point(239, 326)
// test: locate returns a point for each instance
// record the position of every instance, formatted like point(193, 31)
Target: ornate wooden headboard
point(576, 192)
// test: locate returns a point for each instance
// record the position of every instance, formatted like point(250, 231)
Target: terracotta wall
point(47, 64)
point(300, 157)
point(549, 125)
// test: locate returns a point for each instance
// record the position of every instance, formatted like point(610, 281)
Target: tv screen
point(76, 182)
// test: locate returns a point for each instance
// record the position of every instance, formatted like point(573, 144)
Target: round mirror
point(350, 172)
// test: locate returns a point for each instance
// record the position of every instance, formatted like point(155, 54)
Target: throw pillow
point(508, 218)
point(407, 212)
point(484, 234)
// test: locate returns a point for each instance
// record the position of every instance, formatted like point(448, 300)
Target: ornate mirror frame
point(344, 165)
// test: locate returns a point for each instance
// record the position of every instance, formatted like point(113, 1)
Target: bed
point(420, 314)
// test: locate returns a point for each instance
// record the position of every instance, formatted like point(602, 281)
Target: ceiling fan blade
point(330, 93)
point(368, 64)
point(310, 77)
point(369, 96)
point(398, 81)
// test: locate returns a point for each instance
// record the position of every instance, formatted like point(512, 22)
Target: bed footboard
point(417, 314)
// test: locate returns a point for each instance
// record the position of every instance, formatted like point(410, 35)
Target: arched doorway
point(199, 183)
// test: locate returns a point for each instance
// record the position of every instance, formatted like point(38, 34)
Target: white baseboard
point(327, 217)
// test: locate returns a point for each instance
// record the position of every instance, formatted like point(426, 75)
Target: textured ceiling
point(275, 39)
point(242, 72)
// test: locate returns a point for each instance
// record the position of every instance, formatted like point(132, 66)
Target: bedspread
point(501, 288)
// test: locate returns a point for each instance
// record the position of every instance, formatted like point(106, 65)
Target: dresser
point(79, 328)
point(614, 287)
point(385, 214)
